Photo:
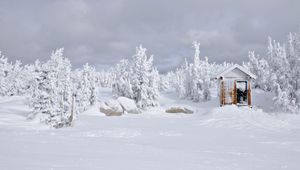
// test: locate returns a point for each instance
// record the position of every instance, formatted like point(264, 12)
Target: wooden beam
point(222, 92)
point(234, 93)
point(249, 93)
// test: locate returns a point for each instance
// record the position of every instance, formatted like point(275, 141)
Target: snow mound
point(14, 114)
point(179, 110)
point(244, 117)
point(128, 105)
point(111, 108)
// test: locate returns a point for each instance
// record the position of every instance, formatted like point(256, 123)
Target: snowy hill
point(212, 138)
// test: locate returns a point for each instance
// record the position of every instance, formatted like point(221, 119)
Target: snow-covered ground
point(211, 138)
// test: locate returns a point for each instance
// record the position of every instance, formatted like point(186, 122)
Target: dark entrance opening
point(241, 92)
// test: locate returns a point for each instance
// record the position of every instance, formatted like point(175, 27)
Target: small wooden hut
point(235, 86)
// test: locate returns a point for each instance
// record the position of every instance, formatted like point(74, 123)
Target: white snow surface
point(213, 137)
point(113, 104)
point(128, 105)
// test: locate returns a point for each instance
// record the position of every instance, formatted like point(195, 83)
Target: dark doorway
point(241, 92)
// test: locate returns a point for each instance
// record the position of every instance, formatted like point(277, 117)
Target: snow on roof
point(243, 69)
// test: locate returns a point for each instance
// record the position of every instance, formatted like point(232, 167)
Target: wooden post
point(222, 99)
point(234, 93)
point(249, 93)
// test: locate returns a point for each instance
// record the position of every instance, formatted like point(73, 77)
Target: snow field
point(212, 138)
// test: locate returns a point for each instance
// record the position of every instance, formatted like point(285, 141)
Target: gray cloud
point(103, 32)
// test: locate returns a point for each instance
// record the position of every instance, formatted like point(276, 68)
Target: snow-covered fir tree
point(5, 69)
point(293, 56)
point(193, 80)
point(105, 78)
point(196, 75)
point(279, 72)
point(137, 79)
point(122, 81)
point(85, 87)
point(153, 89)
point(164, 82)
point(13, 77)
point(52, 97)
point(183, 80)
point(259, 67)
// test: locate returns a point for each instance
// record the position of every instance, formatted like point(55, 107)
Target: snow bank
point(244, 117)
point(111, 108)
point(179, 109)
point(128, 105)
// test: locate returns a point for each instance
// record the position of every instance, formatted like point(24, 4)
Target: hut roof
point(238, 67)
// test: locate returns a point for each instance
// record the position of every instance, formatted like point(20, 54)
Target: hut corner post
point(222, 92)
point(249, 93)
point(234, 93)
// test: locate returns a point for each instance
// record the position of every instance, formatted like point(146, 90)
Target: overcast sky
point(102, 32)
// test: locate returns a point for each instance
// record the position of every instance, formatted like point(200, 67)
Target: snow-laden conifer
point(137, 79)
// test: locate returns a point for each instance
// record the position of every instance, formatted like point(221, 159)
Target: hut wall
point(227, 91)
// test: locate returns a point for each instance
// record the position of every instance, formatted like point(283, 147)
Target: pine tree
point(153, 89)
point(259, 67)
point(5, 70)
point(137, 79)
point(105, 78)
point(52, 97)
point(293, 56)
point(85, 87)
point(194, 79)
point(122, 81)
point(141, 68)
point(164, 82)
point(280, 73)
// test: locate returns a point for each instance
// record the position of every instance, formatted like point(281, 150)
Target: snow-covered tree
point(13, 77)
point(182, 80)
point(259, 67)
point(122, 82)
point(141, 77)
point(16, 81)
point(55, 93)
point(153, 88)
point(293, 56)
point(137, 79)
point(164, 82)
point(85, 87)
point(105, 78)
point(5, 69)
point(279, 71)
point(52, 97)
point(194, 79)
point(196, 75)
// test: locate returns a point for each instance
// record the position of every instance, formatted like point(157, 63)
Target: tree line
point(57, 93)
point(279, 71)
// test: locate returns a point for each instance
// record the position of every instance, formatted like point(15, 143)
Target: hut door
point(228, 91)
point(241, 92)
